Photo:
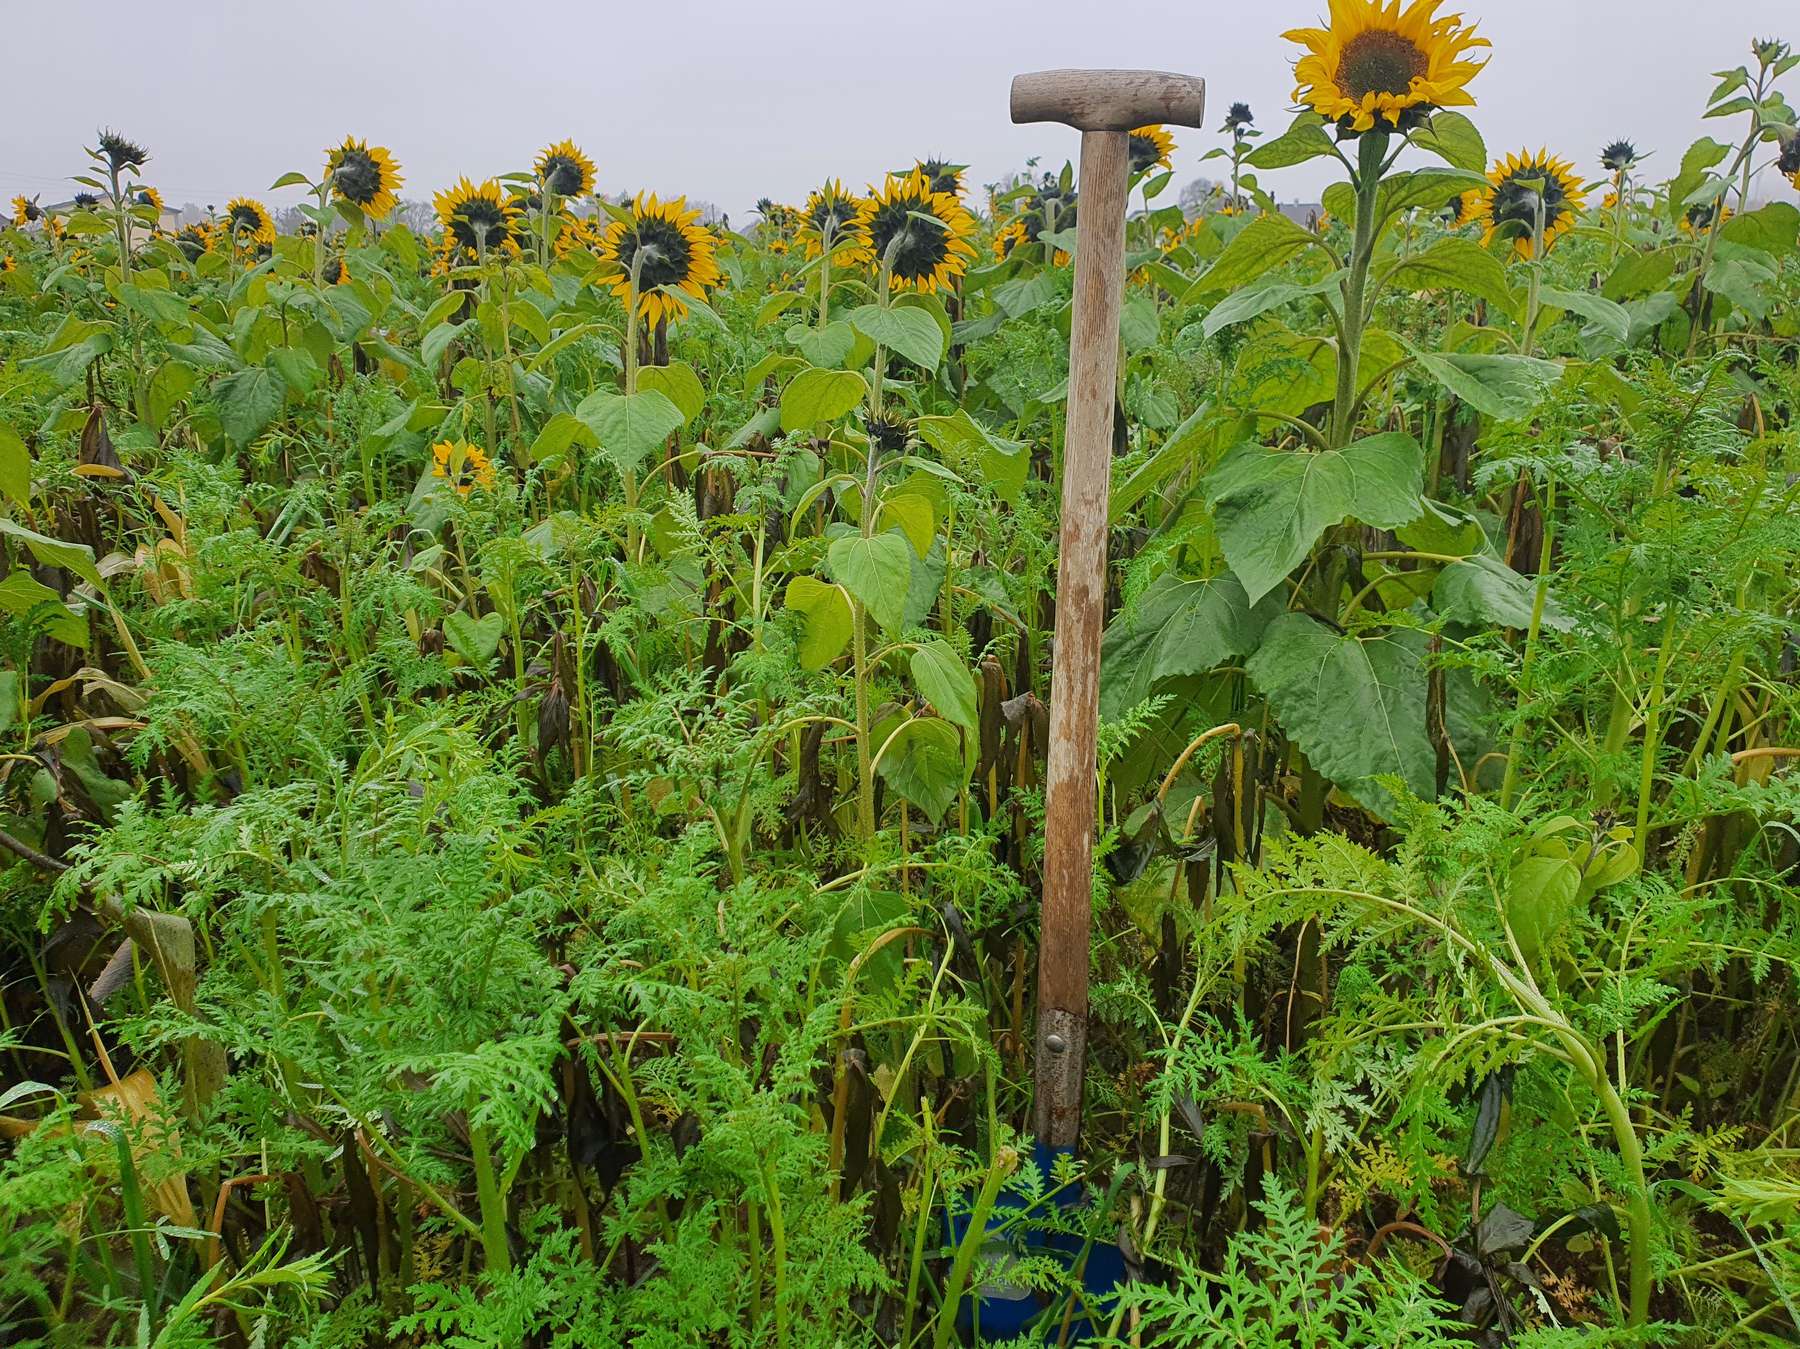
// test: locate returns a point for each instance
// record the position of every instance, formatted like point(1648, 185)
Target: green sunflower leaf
point(627, 427)
point(826, 611)
point(913, 333)
point(1504, 387)
point(877, 570)
point(1181, 625)
point(814, 397)
point(1271, 506)
point(1456, 264)
point(1266, 242)
point(924, 762)
point(945, 682)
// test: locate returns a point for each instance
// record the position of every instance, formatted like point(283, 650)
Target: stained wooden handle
point(1109, 100)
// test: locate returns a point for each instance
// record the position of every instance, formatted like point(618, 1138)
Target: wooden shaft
point(1108, 100)
point(1080, 613)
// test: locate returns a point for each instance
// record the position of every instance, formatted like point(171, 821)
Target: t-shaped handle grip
point(1108, 100)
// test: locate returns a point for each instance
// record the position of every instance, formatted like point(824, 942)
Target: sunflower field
point(523, 741)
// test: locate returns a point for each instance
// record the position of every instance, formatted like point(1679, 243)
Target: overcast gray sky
point(730, 100)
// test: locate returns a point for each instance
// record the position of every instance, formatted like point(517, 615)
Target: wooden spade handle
point(1108, 100)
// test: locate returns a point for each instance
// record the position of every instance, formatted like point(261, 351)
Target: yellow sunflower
point(1152, 147)
point(366, 176)
point(847, 217)
point(249, 223)
point(462, 465)
point(1465, 208)
point(926, 254)
point(25, 211)
point(565, 170)
point(1509, 206)
point(578, 231)
point(1699, 218)
point(476, 219)
point(1376, 61)
point(678, 256)
point(8, 264)
point(148, 196)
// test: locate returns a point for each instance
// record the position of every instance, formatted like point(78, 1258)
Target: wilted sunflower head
point(119, 153)
point(1515, 185)
point(366, 176)
point(84, 200)
point(671, 251)
point(25, 211)
point(927, 252)
point(477, 218)
point(1378, 62)
point(249, 222)
point(830, 208)
point(1619, 156)
point(464, 466)
point(563, 169)
point(1238, 117)
point(1789, 163)
point(888, 434)
point(943, 177)
point(1151, 147)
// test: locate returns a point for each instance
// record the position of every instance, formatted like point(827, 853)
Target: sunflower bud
point(1238, 118)
point(1769, 50)
point(120, 154)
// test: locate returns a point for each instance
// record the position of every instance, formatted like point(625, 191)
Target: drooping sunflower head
point(1151, 147)
point(366, 176)
point(464, 466)
point(1789, 163)
point(148, 196)
point(1009, 236)
point(563, 169)
point(671, 251)
point(830, 209)
point(477, 219)
point(924, 232)
point(888, 433)
point(943, 177)
point(1379, 62)
point(25, 211)
point(249, 223)
point(119, 153)
point(1515, 186)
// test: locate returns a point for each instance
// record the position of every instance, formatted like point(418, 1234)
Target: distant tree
point(1198, 195)
point(418, 216)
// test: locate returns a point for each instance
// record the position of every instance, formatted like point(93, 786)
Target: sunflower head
point(8, 264)
point(336, 272)
point(672, 252)
point(1701, 216)
point(364, 175)
point(148, 196)
point(477, 219)
point(832, 210)
point(464, 466)
point(119, 153)
point(1151, 147)
point(1619, 156)
point(563, 169)
point(1238, 118)
point(1516, 185)
point(888, 434)
point(248, 222)
point(85, 201)
point(925, 253)
point(1465, 208)
point(943, 177)
point(25, 211)
point(1378, 62)
point(1788, 164)
point(1769, 50)
point(193, 240)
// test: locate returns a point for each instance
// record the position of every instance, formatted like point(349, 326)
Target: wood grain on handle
point(1080, 613)
point(1109, 100)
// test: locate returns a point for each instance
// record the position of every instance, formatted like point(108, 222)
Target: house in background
point(168, 220)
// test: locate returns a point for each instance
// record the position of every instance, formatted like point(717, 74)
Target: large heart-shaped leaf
point(814, 397)
point(1505, 387)
point(1485, 590)
point(913, 333)
point(923, 760)
point(474, 639)
point(627, 427)
point(1355, 704)
point(1456, 264)
point(1271, 506)
point(249, 401)
point(828, 620)
point(945, 682)
point(877, 570)
point(1181, 625)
